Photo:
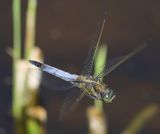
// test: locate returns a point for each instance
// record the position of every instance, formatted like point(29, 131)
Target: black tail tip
point(36, 63)
point(31, 61)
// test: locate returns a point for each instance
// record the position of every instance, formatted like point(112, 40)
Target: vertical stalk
point(95, 114)
point(100, 63)
point(16, 50)
point(17, 105)
point(24, 99)
point(32, 108)
point(30, 27)
point(16, 9)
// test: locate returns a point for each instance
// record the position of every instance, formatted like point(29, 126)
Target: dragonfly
point(90, 85)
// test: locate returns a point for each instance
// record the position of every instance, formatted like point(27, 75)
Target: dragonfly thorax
point(94, 88)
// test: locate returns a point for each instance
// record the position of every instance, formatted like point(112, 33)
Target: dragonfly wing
point(87, 69)
point(110, 66)
point(118, 61)
point(71, 102)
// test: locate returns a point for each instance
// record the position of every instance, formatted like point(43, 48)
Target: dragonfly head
point(109, 96)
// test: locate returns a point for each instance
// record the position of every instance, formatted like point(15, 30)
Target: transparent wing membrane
point(54, 83)
point(71, 102)
point(118, 61)
point(87, 69)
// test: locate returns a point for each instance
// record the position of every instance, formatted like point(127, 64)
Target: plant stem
point(30, 27)
point(141, 119)
point(100, 63)
point(16, 9)
point(16, 106)
point(95, 114)
point(32, 126)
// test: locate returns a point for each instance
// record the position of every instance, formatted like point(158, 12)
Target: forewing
point(111, 65)
point(87, 70)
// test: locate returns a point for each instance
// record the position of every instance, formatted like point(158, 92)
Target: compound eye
point(109, 96)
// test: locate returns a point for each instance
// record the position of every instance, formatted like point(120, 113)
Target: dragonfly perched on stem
point(90, 85)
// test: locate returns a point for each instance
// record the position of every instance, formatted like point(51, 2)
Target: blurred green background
point(64, 31)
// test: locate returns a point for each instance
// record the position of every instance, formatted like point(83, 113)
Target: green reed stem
point(16, 51)
point(32, 125)
point(17, 105)
point(144, 116)
point(100, 62)
point(96, 112)
point(30, 27)
point(16, 10)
